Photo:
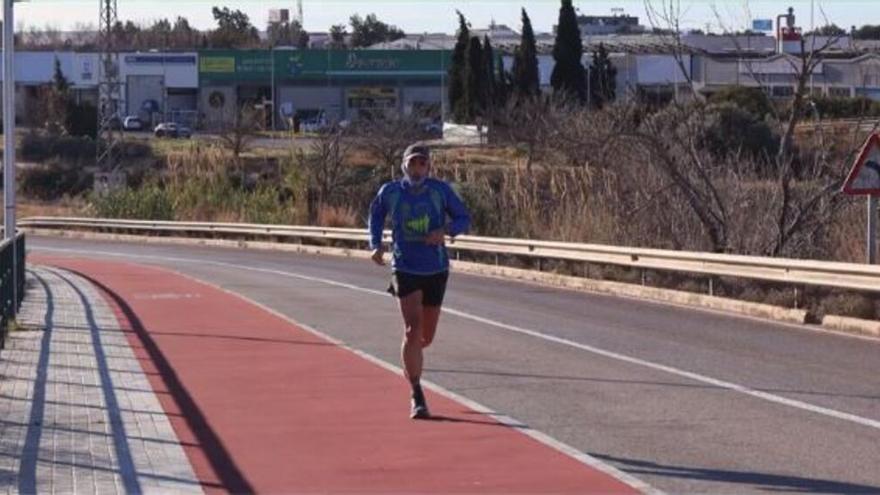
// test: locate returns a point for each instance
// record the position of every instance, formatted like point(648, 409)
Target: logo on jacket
point(417, 225)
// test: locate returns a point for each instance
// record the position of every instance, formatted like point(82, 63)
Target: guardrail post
point(711, 286)
point(644, 278)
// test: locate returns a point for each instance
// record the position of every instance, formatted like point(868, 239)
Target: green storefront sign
point(256, 66)
point(361, 64)
point(234, 66)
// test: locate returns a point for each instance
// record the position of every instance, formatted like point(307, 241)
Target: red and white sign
point(864, 178)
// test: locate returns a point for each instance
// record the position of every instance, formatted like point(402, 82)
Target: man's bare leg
point(411, 350)
point(430, 317)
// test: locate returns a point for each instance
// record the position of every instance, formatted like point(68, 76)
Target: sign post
point(864, 179)
point(872, 230)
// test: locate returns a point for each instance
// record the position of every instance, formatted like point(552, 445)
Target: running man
point(423, 211)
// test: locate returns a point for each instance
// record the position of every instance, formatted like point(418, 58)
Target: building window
point(372, 102)
point(839, 92)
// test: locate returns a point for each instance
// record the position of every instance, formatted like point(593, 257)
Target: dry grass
point(337, 216)
point(486, 156)
point(63, 208)
point(848, 233)
point(360, 158)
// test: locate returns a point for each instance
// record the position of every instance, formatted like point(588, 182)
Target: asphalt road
point(683, 399)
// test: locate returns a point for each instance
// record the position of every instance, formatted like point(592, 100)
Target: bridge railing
point(11, 281)
point(789, 271)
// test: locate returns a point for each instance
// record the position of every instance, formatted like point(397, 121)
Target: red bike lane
point(262, 405)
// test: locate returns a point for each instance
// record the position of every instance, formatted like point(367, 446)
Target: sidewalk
point(77, 413)
point(131, 378)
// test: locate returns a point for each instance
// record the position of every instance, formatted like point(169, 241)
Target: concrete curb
point(852, 325)
point(759, 310)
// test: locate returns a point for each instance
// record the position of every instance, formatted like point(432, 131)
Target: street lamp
point(9, 143)
point(8, 120)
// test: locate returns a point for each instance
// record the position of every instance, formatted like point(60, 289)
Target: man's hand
point(436, 237)
point(377, 256)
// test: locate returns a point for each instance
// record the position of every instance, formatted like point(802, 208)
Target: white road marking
point(805, 406)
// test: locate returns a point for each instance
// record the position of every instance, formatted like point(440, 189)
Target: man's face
point(417, 168)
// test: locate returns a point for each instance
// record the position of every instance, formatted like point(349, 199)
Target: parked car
point(433, 128)
point(315, 123)
point(172, 130)
point(132, 123)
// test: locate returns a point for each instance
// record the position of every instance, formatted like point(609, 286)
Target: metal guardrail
point(865, 123)
point(799, 272)
point(11, 281)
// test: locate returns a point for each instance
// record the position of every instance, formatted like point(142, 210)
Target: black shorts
point(433, 286)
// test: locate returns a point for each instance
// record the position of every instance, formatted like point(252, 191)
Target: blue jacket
point(415, 213)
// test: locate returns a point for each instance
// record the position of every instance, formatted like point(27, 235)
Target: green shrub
point(136, 149)
point(54, 180)
point(80, 150)
point(72, 149)
point(751, 100)
point(150, 202)
point(262, 205)
point(841, 108)
point(732, 129)
point(82, 119)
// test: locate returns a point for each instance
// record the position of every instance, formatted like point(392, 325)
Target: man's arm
point(378, 212)
point(458, 213)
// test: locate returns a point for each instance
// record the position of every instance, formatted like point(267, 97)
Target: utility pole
point(109, 120)
point(872, 229)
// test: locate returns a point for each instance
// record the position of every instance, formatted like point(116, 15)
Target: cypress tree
point(58, 102)
point(487, 77)
point(603, 78)
point(502, 83)
point(473, 84)
point(457, 72)
point(568, 73)
point(525, 64)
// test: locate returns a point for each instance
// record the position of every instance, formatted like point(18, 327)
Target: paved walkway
point(77, 413)
point(199, 389)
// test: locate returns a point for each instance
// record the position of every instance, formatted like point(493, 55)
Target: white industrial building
point(160, 86)
point(154, 86)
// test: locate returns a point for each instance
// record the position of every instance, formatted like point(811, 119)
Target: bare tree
point(672, 139)
point(525, 122)
point(238, 134)
point(36, 38)
point(327, 171)
point(84, 36)
point(585, 137)
point(665, 17)
point(387, 137)
point(798, 210)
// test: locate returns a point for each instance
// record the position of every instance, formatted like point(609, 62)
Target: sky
point(417, 16)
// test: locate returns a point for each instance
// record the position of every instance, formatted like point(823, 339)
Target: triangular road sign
point(864, 178)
